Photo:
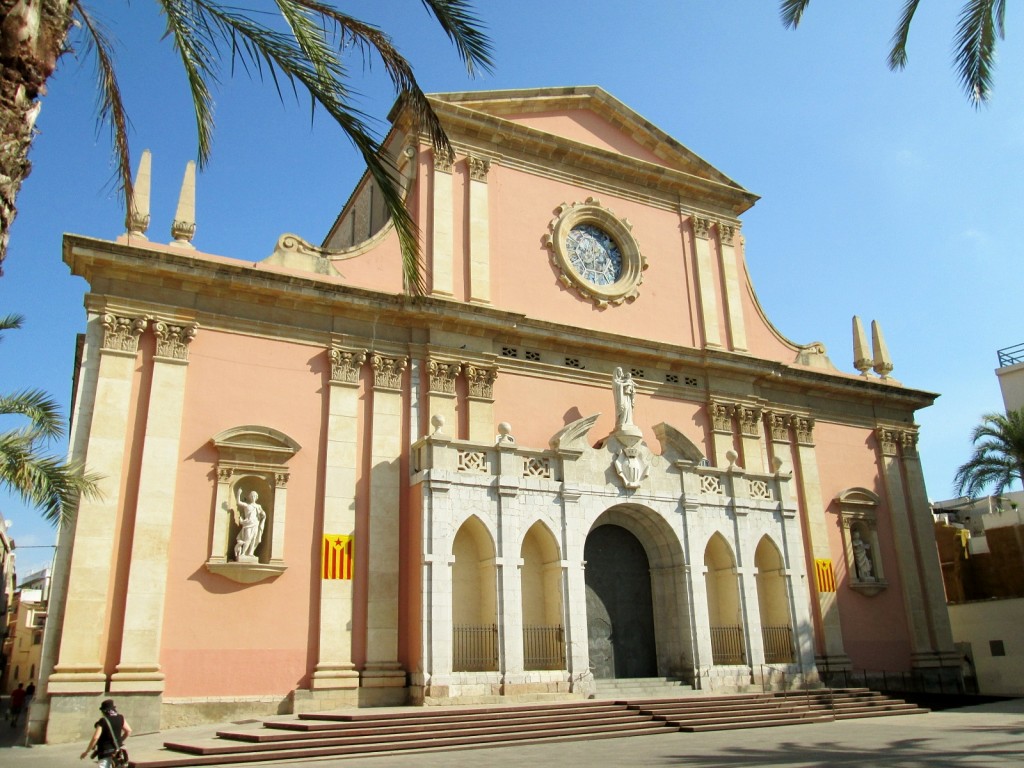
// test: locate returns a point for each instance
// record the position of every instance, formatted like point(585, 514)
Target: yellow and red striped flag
point(337, 555)
point(826, 577)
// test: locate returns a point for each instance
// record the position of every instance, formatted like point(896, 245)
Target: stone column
point(922, 524)
point(754, 457)
point(139, 669)
point(479, 232)
point(720, 415)
point(706, 289)
point(80, 660)
point(733, 295)
point(441, 396)
point(812, 512)
point(335, 670)
point(481, 402)
point(442, 244)
point(913, 597)
point(383, 669)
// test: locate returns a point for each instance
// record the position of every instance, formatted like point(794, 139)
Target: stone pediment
point(586, 116)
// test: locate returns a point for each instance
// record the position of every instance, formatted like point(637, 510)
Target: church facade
point(585, 454)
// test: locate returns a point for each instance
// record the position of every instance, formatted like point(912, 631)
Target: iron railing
point(727, 646)
point(543, 647)
point(778, 644)
point(1011, 355)
point(475, 647)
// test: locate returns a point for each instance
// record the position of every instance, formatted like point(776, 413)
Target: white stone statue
point(625, 397)
point(250, 519)
point(862, 558)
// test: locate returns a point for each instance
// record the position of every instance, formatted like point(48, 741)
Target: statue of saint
point(625, 397)
point(250, 519)
point(862, 558)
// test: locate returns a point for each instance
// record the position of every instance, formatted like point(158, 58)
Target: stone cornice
point(312, 308)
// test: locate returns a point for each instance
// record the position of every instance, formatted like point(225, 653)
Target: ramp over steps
point(368, 732)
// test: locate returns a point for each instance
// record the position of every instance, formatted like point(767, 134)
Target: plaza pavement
point(984, 736)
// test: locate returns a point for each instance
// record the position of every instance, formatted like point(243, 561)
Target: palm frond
point(39, 408)
point(10, 322)
point(465, 30)
point(48, 483)
point(898, 52)
point(321, 76)
point(110, 109)
point(792, 11)
point(191, 35)
point(981, 22)
point(998, 457)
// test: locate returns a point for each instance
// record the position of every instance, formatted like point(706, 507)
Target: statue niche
point(250, 503)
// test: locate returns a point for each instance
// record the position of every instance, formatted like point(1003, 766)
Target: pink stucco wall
point(227, 638)
point(847, 459)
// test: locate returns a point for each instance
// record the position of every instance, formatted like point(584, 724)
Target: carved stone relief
point(442, 376)
point(173, 340)
point(121, 334)
point(346, 364)
point(387, 371)
point(481, 381)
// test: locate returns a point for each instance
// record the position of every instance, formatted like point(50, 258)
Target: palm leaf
point(981, 22)
point(465, 30)
point(898, 53)
point(792, 11)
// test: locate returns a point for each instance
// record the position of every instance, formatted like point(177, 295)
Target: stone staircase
point(623, 688)
point(368, 732)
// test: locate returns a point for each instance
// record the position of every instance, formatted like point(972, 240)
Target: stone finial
point(862, 358)
point(184, 227)
point(137, 221)
point(883, 363)
point(504, 434)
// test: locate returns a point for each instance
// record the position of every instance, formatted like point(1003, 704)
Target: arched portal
point(637, 613)
point(620, 618)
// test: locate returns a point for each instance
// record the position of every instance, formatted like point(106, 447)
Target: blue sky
point(883, 194)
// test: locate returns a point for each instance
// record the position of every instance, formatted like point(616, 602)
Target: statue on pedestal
point(250, 519)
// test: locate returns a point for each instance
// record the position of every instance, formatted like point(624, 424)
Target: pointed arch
point(474, 598)
point(773, 602)
point(541, 588)
point(725, 614)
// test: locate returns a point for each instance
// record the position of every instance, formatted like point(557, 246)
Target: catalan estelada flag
point(826, 577)
point(337, 555)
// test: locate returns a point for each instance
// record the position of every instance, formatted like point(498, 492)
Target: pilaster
point(79, 668)
point(924, 532)
point(441, 396)
point(479, 232)
point(481, 401)
point(749, 419)
point(888, 440)
point(812, 511)
point(335, 669)
point(731, 281)
point(706, 288)
point(383, 669)
point(139, 667)
point(442, 244)
point(722, 437)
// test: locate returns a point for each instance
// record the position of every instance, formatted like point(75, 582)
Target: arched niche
point(474, 599)
point(773, 602)
point(541, 581)
point(725, 617)
point(857, 509)
point(251, 501)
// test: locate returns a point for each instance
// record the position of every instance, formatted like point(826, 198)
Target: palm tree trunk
point(32, 35)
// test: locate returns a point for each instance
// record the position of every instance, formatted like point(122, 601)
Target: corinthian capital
point(442, 375)
point(481, 381)
point(721, 416)
point(749, 419)
point(345, 364)
point(701, 226)
point(387, 371)
point(478, 168)
point(172, 341)
point(121, 334)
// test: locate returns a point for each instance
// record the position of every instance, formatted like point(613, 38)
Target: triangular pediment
point(589, 116)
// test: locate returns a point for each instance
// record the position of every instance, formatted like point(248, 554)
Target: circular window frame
point(626, 288)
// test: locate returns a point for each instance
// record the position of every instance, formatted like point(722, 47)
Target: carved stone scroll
point(346, 364)
point(387, 371)
point(173, 340)
point(121, 334)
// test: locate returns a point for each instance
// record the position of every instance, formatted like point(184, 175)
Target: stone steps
point(641, 688)
point(317, 735)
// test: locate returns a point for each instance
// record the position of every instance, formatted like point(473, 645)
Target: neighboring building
point(981, 548)
point(584, 454)
point(1011, 376)
point(23, 644)
point(7, 581)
